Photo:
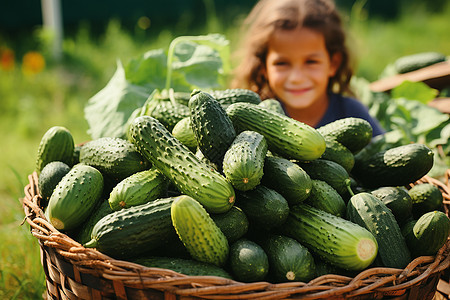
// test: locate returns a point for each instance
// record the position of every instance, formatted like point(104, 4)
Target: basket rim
point(380, 280)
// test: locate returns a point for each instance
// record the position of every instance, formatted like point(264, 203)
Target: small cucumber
point(234, 223)
point(397, 199)
point(183, 132)
point(248, 261)
point(324, 197)
point(274, 105)
point(425, 197)
point(230, 96)
point(49, 178)
point(198, 232)
point(56, 145)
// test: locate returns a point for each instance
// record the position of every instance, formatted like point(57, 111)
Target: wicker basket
point(75, 272)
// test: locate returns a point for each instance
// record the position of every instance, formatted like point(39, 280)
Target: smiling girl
point(295, 51)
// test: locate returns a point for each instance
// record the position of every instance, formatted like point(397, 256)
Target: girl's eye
point(280, 63)
point(312, 61)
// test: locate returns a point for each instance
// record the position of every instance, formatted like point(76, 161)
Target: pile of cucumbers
point(221, 183)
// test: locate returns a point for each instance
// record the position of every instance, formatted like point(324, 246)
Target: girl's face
point(298, 67)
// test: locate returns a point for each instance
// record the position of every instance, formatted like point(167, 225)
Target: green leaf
point(414, 91)
point(108, 111)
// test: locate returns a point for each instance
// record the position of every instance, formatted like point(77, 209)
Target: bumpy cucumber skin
point(397, 166)
point(56, 145)
point(243, 163)
point(273, 104)
point(230, 96)
point(168, 113)
point(234, 223)
point(190, 175)
point(184, 133)
point(139, 188)
point(287, 178)
point(417, 61)
point(353, 133)
point(324, 197)
point(198, 232)
point(367, 210)
point(101, 210)
point(264, 207)
point(49, 178)
point(425, 197)
point(211, 125)
point(184, 266)
point(334, 239)
point(74, 197)
point(114, 157)
point(285, 136)
point(248, 261)
point(338, 153)
point(397, 199)
point(133, 231)
point(288, 259)
point(428, 234)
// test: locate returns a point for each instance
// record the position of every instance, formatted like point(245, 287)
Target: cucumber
point(234, 223)
point(248, 261)
point(353, 133)
point(134, 231)
point(338, 153)
point(211, 125)
point(287, 178)
point(169, 113)
point(56, 145)
point(185, 266)
point(288, 259)
point(367, 210)
point(397, 166)
point(139, 188)
point(183, 132)
point(417, 61)
point(198, 232)
point(336, 240)
point(274, 105)
point(74, 197)
point(243, 163)
point(330, 172)
point(102, 209)
point(324, 197)
point(264, 207)
point(49, 178)
point(397, 199)
point(229, 96)
point(425, 197)
point(285, 136)
point(190, 175)
point(428, 234)
point(113, 157)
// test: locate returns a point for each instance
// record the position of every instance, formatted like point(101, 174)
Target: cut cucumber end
point(367, 250)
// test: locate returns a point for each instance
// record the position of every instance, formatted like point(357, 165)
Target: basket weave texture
point(75, 272)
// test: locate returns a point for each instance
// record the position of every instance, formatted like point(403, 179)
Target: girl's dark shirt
point(343, 107)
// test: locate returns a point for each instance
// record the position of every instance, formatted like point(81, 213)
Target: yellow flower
point(32, 62)
point(7, 59)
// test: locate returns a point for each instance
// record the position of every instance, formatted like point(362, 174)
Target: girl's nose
point(297, 74)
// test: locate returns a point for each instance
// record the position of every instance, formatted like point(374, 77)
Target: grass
point(30, 105)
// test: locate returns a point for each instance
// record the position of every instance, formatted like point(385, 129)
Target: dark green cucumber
point(211, 125)
point(233, 223)
point(288, 259)
point(56, 145)
point(287, 178)
point(425, 197)
point(183, 132)
point(49, 178)
point(198, 232)
point(397, 166)
point(353, 133)
point(367, 210)
point(114, 157)
point(336, 240)
point(264, 207)
point(243, 163)
point(230, 96)
point(74, 197)
point(329, 171)
point(167, 112)
point(412, 62)
point(326, 198)
point(428, 234)
point(248, 261)
point(102, 209)
point(134, 231)
point(139, 188)
point(397, 199)
point(273, 104)
point(185, 266)
point(188, 173)
point(285, 136)
point(338, 153)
